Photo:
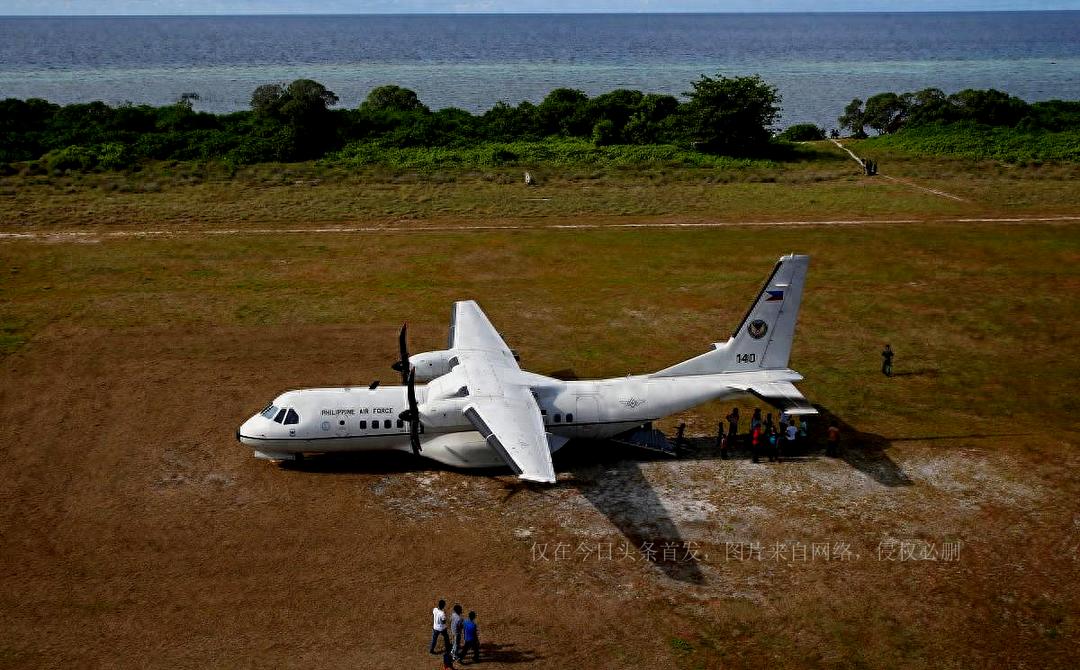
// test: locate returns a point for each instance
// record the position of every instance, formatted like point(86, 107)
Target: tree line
point(887, 113)
point(299, 121)
point(728, 116)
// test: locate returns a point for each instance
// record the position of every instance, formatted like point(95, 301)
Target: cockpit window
point(280, 416)
point(292, 417)
point(270, 411)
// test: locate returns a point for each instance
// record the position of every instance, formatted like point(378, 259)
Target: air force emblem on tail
point(757, 329)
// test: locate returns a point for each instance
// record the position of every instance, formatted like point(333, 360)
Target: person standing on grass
point(886, 361)
point(832, 446)
point(755, 418)
point(755, 442)
point(472, 638)
point(455, 628)
point(438, 626)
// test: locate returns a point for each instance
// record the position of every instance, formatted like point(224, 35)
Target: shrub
point(802, 132)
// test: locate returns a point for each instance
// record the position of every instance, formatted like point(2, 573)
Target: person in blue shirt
point(472, 638)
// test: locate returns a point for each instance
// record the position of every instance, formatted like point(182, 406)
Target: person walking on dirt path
point(472, 638)
point(832, 446)
point(886, 361)
point(456, 620)
point(447, 661)
point(438, 626)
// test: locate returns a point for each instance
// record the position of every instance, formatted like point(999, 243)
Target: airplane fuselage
point(362, 419)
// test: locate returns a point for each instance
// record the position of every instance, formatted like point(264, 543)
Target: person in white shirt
point(438, 627)
point(455, 628)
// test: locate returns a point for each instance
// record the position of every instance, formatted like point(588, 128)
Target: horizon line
point(539, 13)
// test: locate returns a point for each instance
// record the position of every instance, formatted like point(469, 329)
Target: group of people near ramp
point(766, 438)
point(462, 637)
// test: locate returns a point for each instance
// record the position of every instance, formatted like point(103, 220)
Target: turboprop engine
point(431, 364)
point(423, 367)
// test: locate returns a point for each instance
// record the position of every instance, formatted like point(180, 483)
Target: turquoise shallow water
point(819, 62)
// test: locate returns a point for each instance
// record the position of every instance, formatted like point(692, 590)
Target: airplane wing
point(512, 425)
point(784, 396)
point(470, 329)
point(501, 404)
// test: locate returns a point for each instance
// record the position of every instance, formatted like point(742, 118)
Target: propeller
point(402, 364)
point(412, 415)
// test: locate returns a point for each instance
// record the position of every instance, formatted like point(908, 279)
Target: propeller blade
point(413, 412)
point(402, 364)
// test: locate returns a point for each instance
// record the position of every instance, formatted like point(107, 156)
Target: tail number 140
point(745, 358)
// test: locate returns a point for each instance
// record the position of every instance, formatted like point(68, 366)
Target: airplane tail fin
point(763, 338)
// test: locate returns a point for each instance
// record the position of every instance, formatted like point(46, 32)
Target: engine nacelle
point(432, 364)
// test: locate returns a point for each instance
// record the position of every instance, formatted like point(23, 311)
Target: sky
point(157, 7)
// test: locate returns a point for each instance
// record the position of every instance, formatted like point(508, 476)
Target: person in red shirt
point(755, 442)
point(832, 446)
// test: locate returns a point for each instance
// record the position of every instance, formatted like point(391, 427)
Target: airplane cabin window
point(558, 418)
point(400, 423)
point(291, 417)
point(280, 416)
point(363, 425)
point(569, 418)
point(386, 424)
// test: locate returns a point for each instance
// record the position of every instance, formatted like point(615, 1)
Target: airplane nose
point(245, 429)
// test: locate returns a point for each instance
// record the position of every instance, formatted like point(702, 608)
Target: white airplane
point(479, 409)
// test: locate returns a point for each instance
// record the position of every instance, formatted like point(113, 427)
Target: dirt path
point(898, 180)
point(92, 236)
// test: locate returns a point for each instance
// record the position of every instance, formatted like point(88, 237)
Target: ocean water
point(819, 62)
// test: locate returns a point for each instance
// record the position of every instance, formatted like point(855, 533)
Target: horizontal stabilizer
point(784, 396)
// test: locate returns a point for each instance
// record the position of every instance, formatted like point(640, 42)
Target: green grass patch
point(978, 142)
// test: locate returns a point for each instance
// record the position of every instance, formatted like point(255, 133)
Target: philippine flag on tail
point(774, 296)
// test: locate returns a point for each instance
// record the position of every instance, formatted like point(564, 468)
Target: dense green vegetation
point(720, 122)
point(296, 122)
point(976, 124)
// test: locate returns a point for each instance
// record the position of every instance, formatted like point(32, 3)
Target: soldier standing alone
point(886, 361)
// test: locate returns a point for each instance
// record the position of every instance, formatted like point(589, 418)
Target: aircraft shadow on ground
point(364, 463)
point(861, 450)
point(618, 489)
point(864, 451)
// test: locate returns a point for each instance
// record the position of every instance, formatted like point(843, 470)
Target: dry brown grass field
point(137, 533)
